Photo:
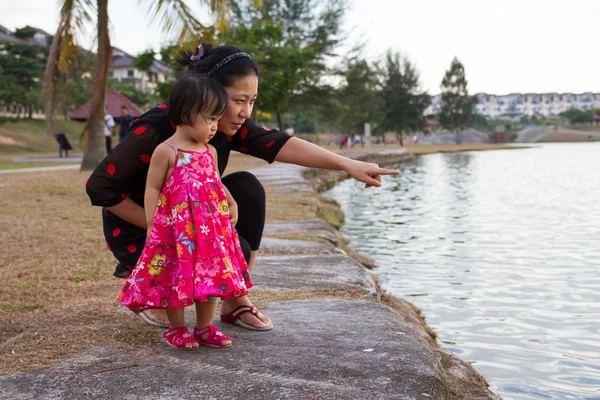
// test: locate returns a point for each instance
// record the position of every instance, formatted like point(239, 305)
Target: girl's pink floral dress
point(193, 252)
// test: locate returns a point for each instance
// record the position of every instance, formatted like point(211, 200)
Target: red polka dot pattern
point(111, 169)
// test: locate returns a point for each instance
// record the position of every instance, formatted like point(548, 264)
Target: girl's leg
point(250, 196)
point(177, 320)
point(204, 332)
point(176, 317)
point(205, 313)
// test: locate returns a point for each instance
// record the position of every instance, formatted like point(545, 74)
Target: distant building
point(114, 101)
point(517, 105)
point(124, 71)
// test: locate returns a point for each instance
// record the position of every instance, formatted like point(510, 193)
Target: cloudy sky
point(506, 45)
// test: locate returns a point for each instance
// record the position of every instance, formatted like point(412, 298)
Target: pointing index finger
point(382, 171)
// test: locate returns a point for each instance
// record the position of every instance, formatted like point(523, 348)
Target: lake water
point(501, 251)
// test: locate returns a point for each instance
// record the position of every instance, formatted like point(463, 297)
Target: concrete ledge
point(315, 225)
point(319, 350)
point(311, 272)
point(270, 246)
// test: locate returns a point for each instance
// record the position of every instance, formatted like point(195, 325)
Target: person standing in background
point(109, 124)
point(124, 121)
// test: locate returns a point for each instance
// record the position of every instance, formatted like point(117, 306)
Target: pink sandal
point(179, 338)
point(234, 318)
point(211, 336)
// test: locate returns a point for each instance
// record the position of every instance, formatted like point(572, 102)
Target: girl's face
point(242, 95)
point(204, 128)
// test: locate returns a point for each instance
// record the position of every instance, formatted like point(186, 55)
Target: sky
point(506, 46)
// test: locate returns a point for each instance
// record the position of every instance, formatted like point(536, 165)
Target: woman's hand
point(233, 213)
point(299, 152)
point(368, 173)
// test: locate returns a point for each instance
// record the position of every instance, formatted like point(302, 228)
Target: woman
point(118, 183)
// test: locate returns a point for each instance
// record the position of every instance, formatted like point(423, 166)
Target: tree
point(359, 94)
point(144, 62)
point(171, 15)
point(74, 14)
point(575, 116)
point(93, 131)
point(25, 33)
point(21, 66)
point(318, 103)
point(290, 40)
point(75, 85)
point(403, 101)
point(480, 121)
point(457, 106)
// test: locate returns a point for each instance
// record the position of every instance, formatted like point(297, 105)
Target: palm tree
point(171, 15)
point(63, 51)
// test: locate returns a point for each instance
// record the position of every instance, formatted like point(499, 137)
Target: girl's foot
point(154, 317)
point(180, 338)
point(157, 315)
point(241, 312)
point(256, 320)
point(211, 336)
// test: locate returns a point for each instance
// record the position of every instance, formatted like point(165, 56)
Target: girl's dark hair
point(195, 94)
point(228, 73)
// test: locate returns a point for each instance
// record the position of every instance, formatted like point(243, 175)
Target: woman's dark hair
point(195, 94)
point(228, 73)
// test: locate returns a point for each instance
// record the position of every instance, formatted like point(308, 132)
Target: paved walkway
point(76, 159)
point(39, 169)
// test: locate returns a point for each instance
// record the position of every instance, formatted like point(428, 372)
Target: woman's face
point(242, 94)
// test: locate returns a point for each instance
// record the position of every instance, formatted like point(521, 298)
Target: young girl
point(192, 253)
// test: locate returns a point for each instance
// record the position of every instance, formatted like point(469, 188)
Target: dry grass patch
point(292, 206)
point(54, 250)
point(41, 339)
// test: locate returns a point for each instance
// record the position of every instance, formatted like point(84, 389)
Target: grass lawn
point(573, 135)
point(28, 136)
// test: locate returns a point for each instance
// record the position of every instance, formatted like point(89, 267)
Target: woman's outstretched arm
point(300, 152)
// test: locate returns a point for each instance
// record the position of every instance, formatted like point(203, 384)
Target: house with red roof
point(114, 101)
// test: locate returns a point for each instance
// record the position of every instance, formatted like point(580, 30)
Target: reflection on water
point(500, 250)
